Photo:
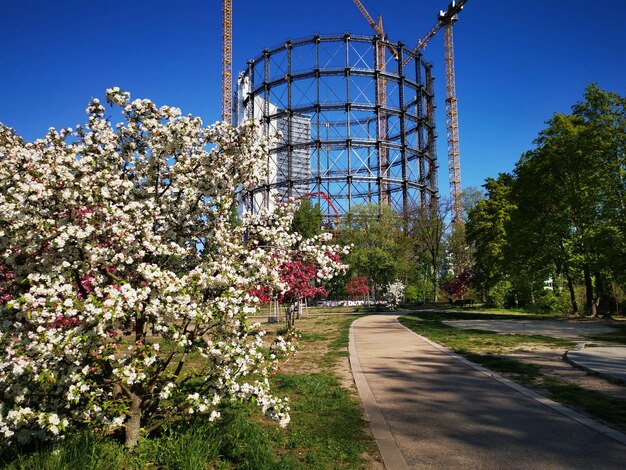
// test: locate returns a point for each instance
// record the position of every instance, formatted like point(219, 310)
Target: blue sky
point(517, 62)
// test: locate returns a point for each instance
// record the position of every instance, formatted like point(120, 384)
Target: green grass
point(618, 336)
point(327, 430)
point(489, 349)
point(237, 441)
point(312, 337)
point(610, 409)
point(502, 311)
point(431, 324)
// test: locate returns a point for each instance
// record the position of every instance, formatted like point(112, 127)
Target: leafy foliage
point(457, 287)
point(380, 251)
point(561, 214)
point(307, 221)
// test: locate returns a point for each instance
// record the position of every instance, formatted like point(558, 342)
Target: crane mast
point(381, 95)
point(227, 61)
point(452, 126)
point(446, 20)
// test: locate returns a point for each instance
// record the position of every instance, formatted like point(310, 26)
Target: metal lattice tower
point(324, 96)
point(446, 20)
point(452, 125)
point(227, 61)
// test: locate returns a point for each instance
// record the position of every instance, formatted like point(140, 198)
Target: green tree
point(604, 116)
point(380, 248)
point(485, 230)
point(470, 197)
point(569, 194)
point(427, 227)
point(307, 221)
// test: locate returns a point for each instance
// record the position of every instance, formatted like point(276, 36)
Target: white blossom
point(394, 293)
point(117, 248)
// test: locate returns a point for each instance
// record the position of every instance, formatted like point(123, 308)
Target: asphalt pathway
point(606, 361)
point(429, 408)
point(555, 329)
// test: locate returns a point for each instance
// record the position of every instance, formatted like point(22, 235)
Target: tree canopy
point(562, 212)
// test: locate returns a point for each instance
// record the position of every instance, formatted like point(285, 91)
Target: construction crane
point(446, 19)
point(227, 61)
point(381, 91)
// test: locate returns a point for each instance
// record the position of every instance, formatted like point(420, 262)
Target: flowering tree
point(457, 287)
point(308, 263)
point(394, 294)
point(124, 284)
point(357, 287)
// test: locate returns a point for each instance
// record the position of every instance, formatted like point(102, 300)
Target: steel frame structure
point(332, 84)
point(227, 61)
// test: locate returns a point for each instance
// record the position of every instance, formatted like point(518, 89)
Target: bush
point(394, 294)
point(554, 302)
point(125, 284)
point(412, 295)
point(500, 295)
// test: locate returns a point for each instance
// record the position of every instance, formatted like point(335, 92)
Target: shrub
point(394, 293)
point(500, 294)
point(124, 279)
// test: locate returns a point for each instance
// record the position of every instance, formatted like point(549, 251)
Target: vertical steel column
point(432, 136)
point(420, 130)
point(248, 200)
point(346, 38)
point(405, 179)
point(266, 117)
point(249, 106)
point(380, 169)
point(318, 112)
point(289, 47)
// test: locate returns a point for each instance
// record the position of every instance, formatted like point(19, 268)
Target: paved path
point(428, 409)
point(606, 361)
point(555, 329)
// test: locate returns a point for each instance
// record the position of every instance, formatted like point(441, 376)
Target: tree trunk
point(133, 423)
point(601, 298)
point(572, 292)
point(292, 311)
point(590, 306)
point(433, 261)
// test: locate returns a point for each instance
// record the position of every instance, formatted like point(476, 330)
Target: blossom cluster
point(303, 264)
point(457, 287)
point(124, 283)
point(357, 287)
point(394, 293)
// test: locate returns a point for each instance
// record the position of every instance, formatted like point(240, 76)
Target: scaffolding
point(322, 95)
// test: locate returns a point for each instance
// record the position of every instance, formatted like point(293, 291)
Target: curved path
point(429, 408)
